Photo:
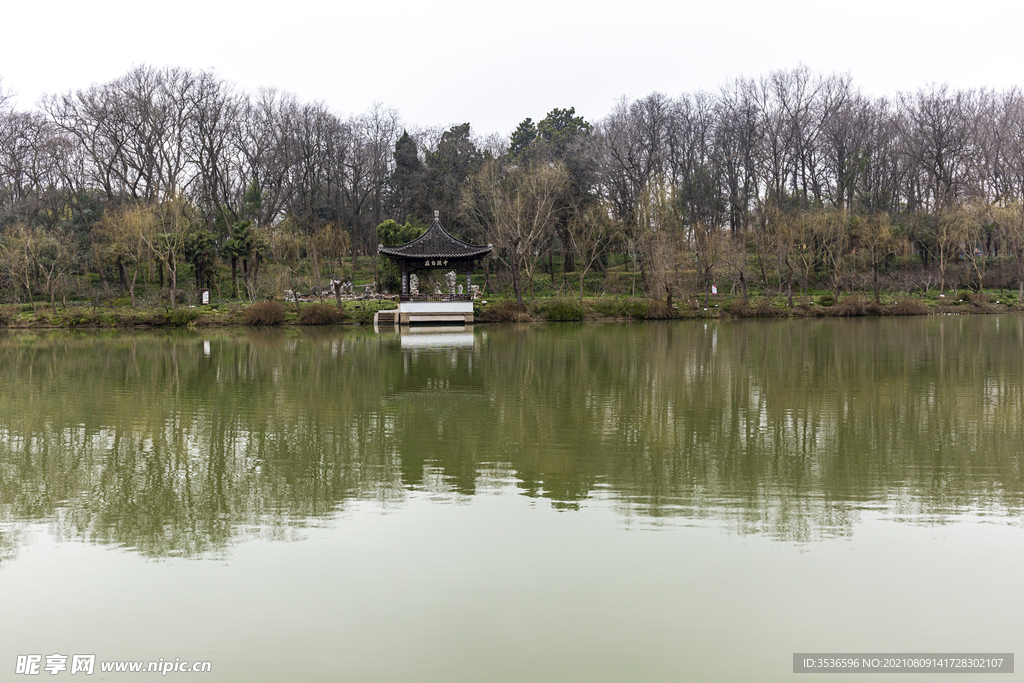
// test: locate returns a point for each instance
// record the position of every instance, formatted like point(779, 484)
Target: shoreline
point(594, 309)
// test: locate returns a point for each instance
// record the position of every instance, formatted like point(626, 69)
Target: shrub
point(740, 309)
point(77, 317)
point(362, 316)
point(852, 305)
point(981, 302)
point(506, 312)
point(320, 314)
point(563, 310)
point(907, 307)
point(635, 307)
point(826, 299)
point(630, 307)
point(763, 308)
point(656, 310)
point(264, 313)
point(182, 317)
point(607, 307)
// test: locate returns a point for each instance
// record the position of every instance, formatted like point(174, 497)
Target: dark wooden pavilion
point(435, 250)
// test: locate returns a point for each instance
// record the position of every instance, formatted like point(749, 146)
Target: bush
point(740, 309)
point(907, 307)
point(362, 316)
point(607, 307)
point(980, 300)
point(763, 309)
point(657, 310)
point(563, 310)
point(182, 317)
point(630, 307)
point(264, 313)
point(635, 307)
point(320, 314)
point(506, 312)
point(77, 317)
point(851, 306)
point(826, 299)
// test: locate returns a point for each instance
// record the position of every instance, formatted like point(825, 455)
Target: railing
point(436, 297)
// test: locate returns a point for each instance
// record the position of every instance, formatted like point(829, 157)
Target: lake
point(609, 502)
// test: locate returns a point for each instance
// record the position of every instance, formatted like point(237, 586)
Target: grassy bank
point(810, 306)
point(549, 309)
point(216, 315)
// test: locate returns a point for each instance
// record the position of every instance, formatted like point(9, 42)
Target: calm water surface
point(656, 502)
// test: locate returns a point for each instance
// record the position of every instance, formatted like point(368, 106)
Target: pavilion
point(435, 250)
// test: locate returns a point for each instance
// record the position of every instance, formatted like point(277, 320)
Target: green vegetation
point(562, 310)
point(794, 193)
point(119, 313)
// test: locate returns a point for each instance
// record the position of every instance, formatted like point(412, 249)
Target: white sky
point(446, 62)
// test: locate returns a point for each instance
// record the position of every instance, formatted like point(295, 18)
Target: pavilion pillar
point(405, 281)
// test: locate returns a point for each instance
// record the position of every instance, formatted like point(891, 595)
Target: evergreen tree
point(455, 159)
point(522, 138)
point(407, 177)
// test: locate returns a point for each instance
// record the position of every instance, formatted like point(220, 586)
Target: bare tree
point(214, 113)
point(16, 258)
point(736, 259)
point(6, 96)
point(590, 233)
point(936, 132)
point(1009, 220)
point(738, 133)
point(166, 238)
point(32, 254)
point(124, 233)
point(974, 222)
point(833, 242)
point(877, 241)
point(706, 247)
point(633, 148)
point(516, 209)
point(953, 230)
point(52, 254)
point(133, 130)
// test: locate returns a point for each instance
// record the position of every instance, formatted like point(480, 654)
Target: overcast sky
point(441, 63)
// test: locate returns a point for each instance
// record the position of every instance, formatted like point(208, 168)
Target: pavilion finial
point(437, 215)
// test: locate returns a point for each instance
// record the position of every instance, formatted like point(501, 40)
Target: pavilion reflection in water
point(438, 337)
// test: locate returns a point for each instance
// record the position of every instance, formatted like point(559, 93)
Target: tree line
point(790, 180)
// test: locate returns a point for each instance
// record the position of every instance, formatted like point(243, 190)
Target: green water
point(652, 502)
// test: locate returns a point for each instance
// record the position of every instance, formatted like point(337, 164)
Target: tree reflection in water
point(179, 444)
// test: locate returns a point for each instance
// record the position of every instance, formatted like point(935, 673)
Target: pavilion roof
point(435, 243)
